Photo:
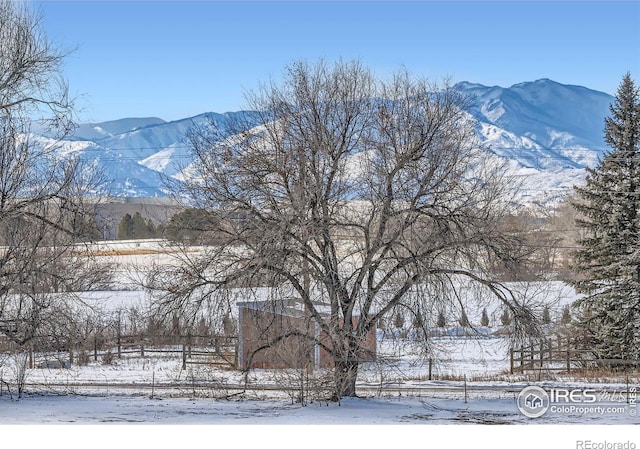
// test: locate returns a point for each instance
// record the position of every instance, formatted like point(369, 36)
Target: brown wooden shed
point(279, 334)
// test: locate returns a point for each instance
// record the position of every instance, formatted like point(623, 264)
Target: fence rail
point(192, 349)
point(559, 354)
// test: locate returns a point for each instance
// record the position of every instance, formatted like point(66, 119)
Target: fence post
point(511, 360)
point(531, 354)
point(141, 349)
point(119, 337)
point(236, 348)
point(465, 388)
point(70, 356)
point(184, 356)
point(430, 367)
point(95, 348)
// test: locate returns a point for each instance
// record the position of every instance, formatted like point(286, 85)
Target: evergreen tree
point(85, 228)
point(442, 320)
point(139, 226)
point(189, 225)
point(398, 321)
point(464, 320)
point(136, 227)
point(505, 318)
point(484, 321)
point(608, 257)
point(125, 227)
point(151, 229)
point(546, 315)
point(566, 315)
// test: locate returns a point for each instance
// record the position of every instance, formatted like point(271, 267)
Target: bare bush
point(20, 365)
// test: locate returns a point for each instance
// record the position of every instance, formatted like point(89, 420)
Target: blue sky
point(178, 59)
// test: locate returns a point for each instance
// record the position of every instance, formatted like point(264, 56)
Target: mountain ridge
point(544, 129)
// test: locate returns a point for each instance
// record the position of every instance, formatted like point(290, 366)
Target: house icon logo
point(533, 402)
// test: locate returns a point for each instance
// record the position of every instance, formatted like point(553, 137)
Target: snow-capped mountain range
point(548, 132)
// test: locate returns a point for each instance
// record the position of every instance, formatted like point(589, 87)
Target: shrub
point(107, 358)
point(82, 359)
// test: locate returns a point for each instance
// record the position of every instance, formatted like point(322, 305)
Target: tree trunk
point(346, 372)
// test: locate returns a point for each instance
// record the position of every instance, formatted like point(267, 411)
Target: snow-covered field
point(470, 385)
point(411, 410)
point(482, 404)
point(142, 409)
point(80, 422)
point(475, 358)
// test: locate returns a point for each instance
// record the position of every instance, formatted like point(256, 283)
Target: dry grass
point(130, 252)
point(589, 376)
point(124, 252)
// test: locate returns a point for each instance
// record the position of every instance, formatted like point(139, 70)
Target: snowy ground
point(64, 408)
point(68, 416)
point(493, 408)
point(395, 391)
point(477, 359)
point(72, 421)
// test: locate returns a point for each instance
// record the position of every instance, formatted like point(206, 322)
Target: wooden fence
point(560, 354)
point(213, 350)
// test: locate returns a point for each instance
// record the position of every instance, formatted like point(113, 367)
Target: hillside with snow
point(548, 132)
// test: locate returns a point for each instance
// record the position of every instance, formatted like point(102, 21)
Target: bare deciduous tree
point(31, 81)
point(43, 206)
point(356, 196)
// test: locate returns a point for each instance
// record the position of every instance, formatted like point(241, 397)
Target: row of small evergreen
point(505, 319)
point(187, 225)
